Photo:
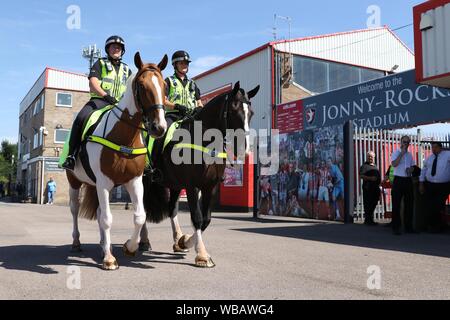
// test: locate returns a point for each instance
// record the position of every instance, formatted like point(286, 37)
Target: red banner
point(290, 117)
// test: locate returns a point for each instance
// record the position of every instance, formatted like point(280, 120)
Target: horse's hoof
point(177, 249)
point(181, 242)
point(145, 246)
point(127, 252)
point(76, 248)
point(110, 265)
point(202, 262)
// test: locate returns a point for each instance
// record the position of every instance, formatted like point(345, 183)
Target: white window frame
point(35, 140)
point(62, 105)
point(41, 137)
point(54, 136)
point(42, 101)
point(35, 108)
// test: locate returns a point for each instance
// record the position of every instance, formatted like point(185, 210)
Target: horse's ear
point(236, 88)
point(138, 61)
point(163, 64)
point(253, 92)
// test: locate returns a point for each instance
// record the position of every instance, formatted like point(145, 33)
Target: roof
point(357, 47)
point(52, 78)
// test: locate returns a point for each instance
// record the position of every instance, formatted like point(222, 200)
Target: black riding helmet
point(115, 39)
point(180, 55)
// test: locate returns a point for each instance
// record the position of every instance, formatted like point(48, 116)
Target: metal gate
point(384, 143)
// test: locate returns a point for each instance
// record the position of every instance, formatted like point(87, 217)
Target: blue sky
point(34, 33)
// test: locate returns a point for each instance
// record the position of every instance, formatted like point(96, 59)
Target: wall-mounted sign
point(391, 102)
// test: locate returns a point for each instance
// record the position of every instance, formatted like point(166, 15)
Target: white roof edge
point(54, 79)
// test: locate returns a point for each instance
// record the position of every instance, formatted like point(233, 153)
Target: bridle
point(137, 97)
point(224, 117)
point(138, 101)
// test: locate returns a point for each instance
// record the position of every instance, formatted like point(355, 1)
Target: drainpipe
point(42, 179)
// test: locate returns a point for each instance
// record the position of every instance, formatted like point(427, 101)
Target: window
point(343, 76)
point(36, 140)
point(61, 135)
point(322, 76)
point(367, 75)
point(38, 105)
point(311, 74)
point(41, 137)
point(64, 100)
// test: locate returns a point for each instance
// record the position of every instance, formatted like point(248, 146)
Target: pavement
point(270, 258)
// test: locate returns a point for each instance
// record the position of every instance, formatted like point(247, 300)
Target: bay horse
point(140, 109)
point(230, 110)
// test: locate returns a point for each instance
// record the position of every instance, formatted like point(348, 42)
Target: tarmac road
point(264, 259)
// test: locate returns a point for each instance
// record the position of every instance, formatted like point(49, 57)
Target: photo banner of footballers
point(310, 179)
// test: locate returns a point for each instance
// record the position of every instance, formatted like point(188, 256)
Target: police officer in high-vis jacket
point(107, 83)
point(182, 94)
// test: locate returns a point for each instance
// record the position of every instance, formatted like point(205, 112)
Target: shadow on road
point(41, 258)
point(269, 220)
point(362, 236)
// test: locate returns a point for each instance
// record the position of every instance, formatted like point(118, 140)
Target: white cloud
point(205, 63)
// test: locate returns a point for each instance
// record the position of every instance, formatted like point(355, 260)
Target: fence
point(383, 143)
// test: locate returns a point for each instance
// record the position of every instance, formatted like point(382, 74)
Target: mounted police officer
point(107, 82)
point(182, 93)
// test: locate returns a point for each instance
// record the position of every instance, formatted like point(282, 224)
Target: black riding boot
point(74, 143)
point(77, 128)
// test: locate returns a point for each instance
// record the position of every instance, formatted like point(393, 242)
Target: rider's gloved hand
point(182, 110)
point(196, 111)
point(110, 99)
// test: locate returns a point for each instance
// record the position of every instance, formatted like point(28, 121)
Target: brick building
point(45, 118)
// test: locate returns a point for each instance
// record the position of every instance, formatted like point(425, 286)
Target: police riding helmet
point(115, 39)
point(180, 55)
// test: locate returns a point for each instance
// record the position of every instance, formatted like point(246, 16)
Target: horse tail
point(156, 203)
point(89, 202)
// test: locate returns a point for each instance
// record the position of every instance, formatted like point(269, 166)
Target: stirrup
point(69, 163)
point(156, 175)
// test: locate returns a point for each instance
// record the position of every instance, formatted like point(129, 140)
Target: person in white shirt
point(403, 163)
point(435, 184)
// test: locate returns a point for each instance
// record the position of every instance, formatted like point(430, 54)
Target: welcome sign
point(391, 102)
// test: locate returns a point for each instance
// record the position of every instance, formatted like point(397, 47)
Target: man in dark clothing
point(371, 177)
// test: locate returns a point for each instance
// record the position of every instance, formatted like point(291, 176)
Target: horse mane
point(216, 99)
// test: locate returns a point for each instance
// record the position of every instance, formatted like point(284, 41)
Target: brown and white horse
point(142, 104)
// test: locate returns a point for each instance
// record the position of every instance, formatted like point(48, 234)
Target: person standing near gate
point(435, 184)
point(51, 189)
point(371, 177)
point(402, 188)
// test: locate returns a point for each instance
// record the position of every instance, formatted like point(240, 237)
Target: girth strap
point(116, 147)
point(210, 152)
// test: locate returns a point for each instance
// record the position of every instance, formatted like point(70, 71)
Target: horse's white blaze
point(246, 127)
point(158, 89)
point(159, 94)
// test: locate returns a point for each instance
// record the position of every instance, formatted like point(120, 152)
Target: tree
point(8, 161)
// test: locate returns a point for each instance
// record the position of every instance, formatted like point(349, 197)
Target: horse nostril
point(154, 127)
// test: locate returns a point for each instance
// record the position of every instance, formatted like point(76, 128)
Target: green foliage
point(8, 161)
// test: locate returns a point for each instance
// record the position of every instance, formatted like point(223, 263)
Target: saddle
point(89, 126)
point(156, 147)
